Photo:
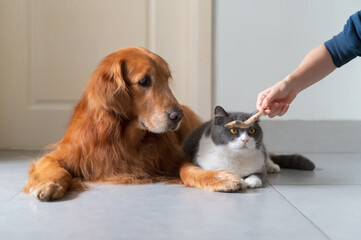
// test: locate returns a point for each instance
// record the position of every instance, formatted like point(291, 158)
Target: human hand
point(276, 99)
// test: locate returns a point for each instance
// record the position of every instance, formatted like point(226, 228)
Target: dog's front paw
point(226, 182)
point(48, 191)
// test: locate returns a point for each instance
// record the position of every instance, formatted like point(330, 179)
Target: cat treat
point(247, 123)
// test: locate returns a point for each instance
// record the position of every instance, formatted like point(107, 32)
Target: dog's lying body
point(127, 129)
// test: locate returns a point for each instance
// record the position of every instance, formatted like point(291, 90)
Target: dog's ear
point(117, 75)
point(108, 88)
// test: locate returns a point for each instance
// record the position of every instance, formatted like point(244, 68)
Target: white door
point(48, 50)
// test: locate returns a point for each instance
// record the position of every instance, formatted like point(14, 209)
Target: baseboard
point(312, 136)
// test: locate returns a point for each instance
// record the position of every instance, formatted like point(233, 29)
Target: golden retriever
point(126, 129)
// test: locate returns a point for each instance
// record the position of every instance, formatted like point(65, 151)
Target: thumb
point(260, 99)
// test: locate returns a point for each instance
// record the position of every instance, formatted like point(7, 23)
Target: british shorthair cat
point(241, 151)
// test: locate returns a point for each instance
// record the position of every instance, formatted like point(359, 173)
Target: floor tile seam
point(9, 200)
point(300, 212)
point(15, 195)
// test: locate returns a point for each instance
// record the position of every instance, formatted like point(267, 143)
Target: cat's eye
point(145, 82)
point(234, 131)
point(251, 131)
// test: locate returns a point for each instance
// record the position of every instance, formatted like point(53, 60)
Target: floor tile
point(14, 166)
point(323, 204)
point(331, 169)
point(336, 210)
point(156, 211)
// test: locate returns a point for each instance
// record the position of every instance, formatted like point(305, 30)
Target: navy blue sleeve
point(347, 44)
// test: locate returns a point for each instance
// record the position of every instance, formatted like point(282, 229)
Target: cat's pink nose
point(245, 140)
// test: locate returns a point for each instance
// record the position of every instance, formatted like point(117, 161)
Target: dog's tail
point(293, 161)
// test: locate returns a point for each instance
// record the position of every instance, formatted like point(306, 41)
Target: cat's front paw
point(253, 182)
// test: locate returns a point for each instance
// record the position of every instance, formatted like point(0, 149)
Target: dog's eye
point(145, 82)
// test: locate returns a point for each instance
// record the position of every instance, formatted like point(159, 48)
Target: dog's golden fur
point(121, 133)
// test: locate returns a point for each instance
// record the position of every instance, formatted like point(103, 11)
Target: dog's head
point(133, 83)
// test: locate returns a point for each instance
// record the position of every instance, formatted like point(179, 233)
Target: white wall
point(257, 43)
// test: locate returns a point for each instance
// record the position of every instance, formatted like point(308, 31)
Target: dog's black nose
point(175, 115)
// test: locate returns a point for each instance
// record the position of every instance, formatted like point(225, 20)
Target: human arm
point(316, 65)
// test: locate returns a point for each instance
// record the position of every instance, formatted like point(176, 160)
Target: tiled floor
point(324, 204)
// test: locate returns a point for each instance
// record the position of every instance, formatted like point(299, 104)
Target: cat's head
point(235, 138)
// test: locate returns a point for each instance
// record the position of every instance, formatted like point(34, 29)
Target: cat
point(240, 151)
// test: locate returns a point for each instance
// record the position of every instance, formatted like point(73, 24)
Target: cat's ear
point(219, 115)
point(220, 112)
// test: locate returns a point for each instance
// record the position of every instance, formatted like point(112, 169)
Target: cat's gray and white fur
point(241, 151)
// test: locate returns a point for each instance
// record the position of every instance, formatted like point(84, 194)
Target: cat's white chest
point(242, 163)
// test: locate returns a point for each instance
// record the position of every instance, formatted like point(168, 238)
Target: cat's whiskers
point(258, 145)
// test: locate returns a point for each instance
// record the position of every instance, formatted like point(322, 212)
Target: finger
point(267, 111)
point(268, 99)
point(276, 112)
point(273, 109)
point(284, 110)
point(258, 107)
point(261, 96)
